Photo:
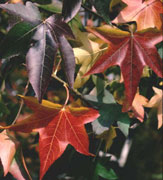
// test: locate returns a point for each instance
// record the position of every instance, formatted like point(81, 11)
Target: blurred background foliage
point(136, 156)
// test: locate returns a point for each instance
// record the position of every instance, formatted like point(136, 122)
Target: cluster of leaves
point(82, 62)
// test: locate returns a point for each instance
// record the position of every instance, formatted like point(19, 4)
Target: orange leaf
point(10, 158)
point(7, 151)
point(58, 126)
point(146, 13)
point(156, 102)
point(137, 106)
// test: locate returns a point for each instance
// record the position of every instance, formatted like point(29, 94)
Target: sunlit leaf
point(131, 52)
point(146, 13)
point(58, 126)
point(85, 56)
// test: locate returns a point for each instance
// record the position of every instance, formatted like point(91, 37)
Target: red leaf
point(145, 13)
point(131, 52)
point(57, 127)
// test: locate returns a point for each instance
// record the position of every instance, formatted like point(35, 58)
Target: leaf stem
point(65, 86)
point(22, 103)
point(98, 149)
point(77, 93)
point(56, 70)
point(68, 94)
point(59, 79)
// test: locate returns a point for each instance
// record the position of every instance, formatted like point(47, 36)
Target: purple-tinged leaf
point(28, 12)
point(59, 27)
point(68, 59)
point(70, 9)
point(40, 60)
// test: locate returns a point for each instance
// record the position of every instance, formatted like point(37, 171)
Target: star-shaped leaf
point(146, 13)
point(132, 52)
point(156, 102)
point(58, 126)
point(48, 37)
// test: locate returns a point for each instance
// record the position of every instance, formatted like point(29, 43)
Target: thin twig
point(22, 103)
point(77, 93)
point(97, 152)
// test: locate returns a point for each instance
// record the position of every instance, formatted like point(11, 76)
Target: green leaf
point(160, 49)
point(103, 95)
point(102, 8)
point(124, 125)
point(109, 113)
point(157, 176)
point(28, 12)
point(53, 8)
point(17, 40)
point(3, 109)
point(109, 110)
point(104, 173)
point(76, 23)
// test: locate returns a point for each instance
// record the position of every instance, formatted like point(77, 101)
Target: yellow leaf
point(86, 56)
point(108, 137)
